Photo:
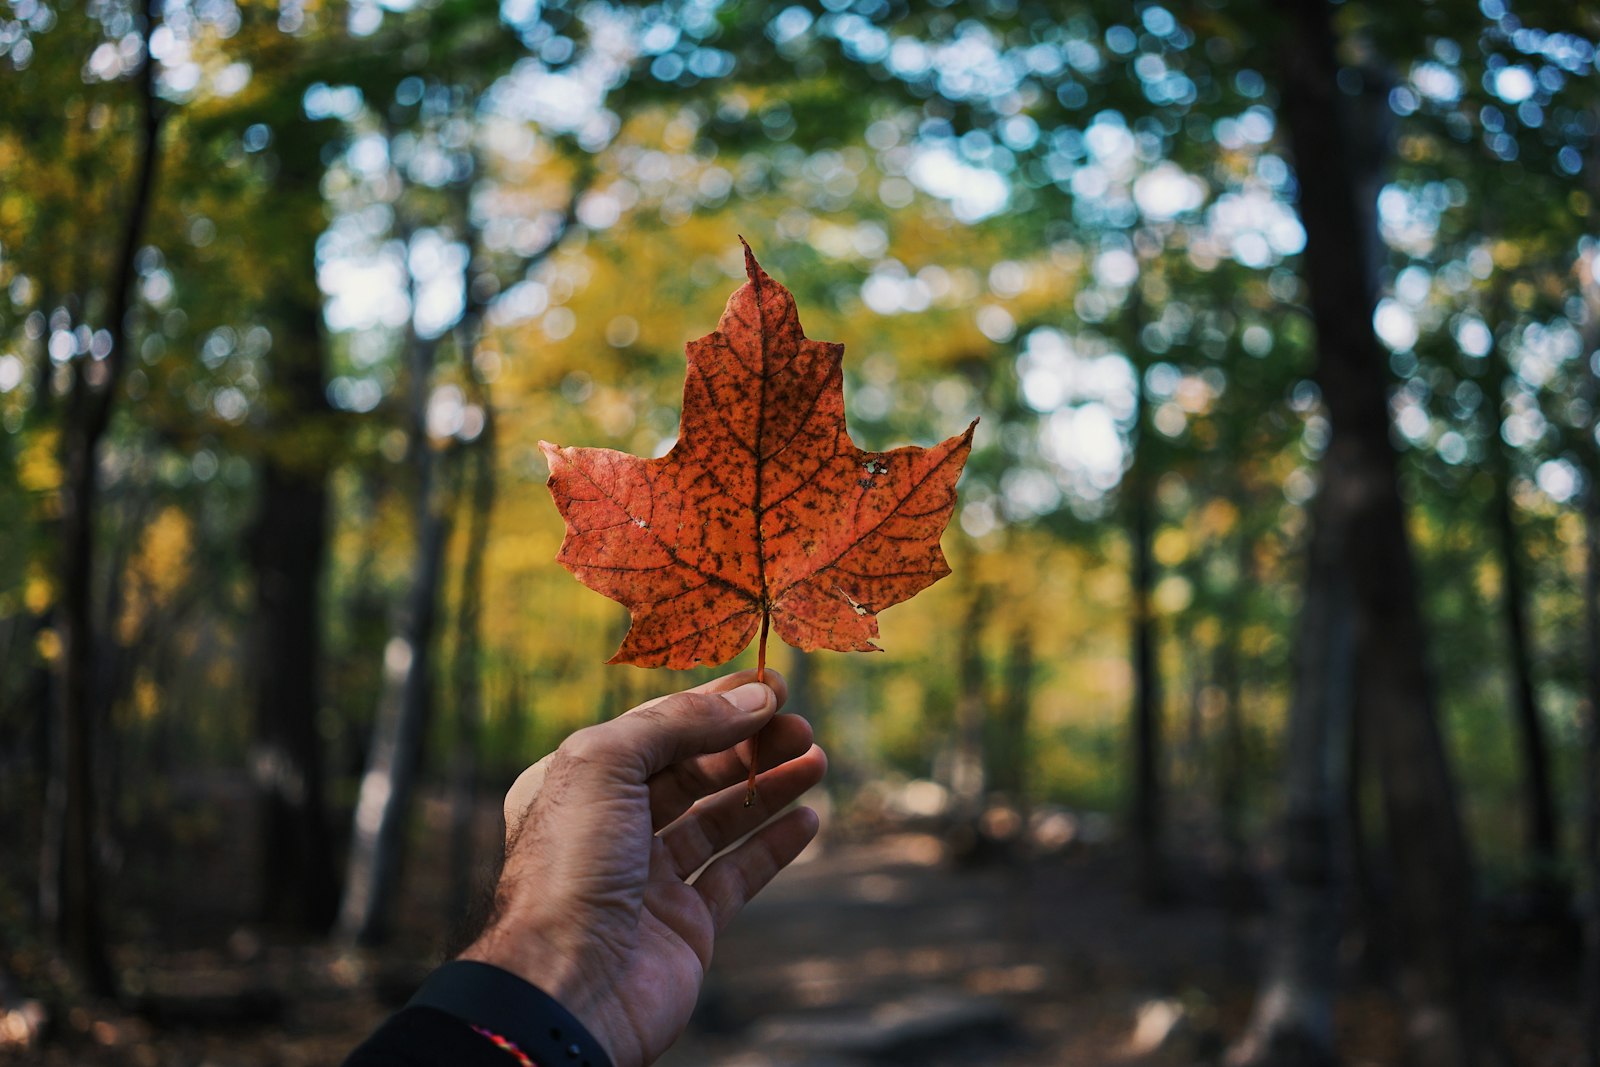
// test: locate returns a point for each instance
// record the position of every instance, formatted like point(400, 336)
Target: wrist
point(533, 960)
point(516, 1015)
point(552, 969)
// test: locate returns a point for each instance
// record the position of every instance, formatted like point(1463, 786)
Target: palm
point(615, 928)
point(673, 935)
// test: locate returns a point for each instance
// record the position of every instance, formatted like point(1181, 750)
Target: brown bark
point(1368, 908)
point(1338, 161)
point(298, 884)
point(1292, 1025)
point(1231, 762)
point(468, 665)
point(395, 752)
point(96, 384)
point(1016, 710)
point(1539, 811)
point(1147, 799)
point(1541, 826)
point(1591, 764)
point(469, 695)
point(968, 782)
point(1589, 797)
point(395, 755)
point(296, 875)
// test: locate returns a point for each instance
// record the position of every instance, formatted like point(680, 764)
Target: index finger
point(773, 679)
point(526, 787)
point(631, 748)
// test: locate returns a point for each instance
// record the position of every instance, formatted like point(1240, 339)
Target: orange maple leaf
point(763, 510)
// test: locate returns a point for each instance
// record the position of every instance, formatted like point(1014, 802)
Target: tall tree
point(288, 545)
point(1541, 826)
point(1292, 1025)
point(1339, 154)
point(1589, 279)
point(395, 750)
point(1146, 795)
point(299, 886)
point(96, 385)
point(467, 683)
point(395, 755)
point(1016, 712)
point(968, 781)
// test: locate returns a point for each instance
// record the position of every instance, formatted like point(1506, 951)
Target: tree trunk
point(1230, 771)
point(298, 884)
point(1146, 801)
point(1011, 759)
point(1589, 273)
point(1338, 161)
point(1368, 909)
point(1591, 762)
point(1292, 1025)
point(96, 384)
point(296, 876)
point(468, 665)
point(394, 758)
point(395, 754)
point(1542, 830)
point(967, 779)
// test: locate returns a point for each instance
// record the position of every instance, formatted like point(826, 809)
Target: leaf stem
point(761, 676)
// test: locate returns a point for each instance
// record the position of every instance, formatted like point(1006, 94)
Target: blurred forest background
point(1276, 591)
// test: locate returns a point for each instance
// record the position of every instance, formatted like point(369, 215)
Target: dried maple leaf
point(764, 509)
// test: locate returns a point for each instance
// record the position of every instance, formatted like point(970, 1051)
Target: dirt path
point(884, 952)
point(877, 951)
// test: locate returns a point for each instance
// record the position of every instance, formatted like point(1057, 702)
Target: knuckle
point(658, 714)
point(587, 745)
point(673, 706)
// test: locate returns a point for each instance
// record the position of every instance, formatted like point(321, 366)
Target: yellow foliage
point(1507, 255)
point(1488, 579)
point(146, 699)
point(221, 674)
point(1171, 546)
point(1172, 594)
point(1067, 768)
point(1257, 640)
point(38, 593)
point(157, 570)
point(39, 466)
point(1218, 518)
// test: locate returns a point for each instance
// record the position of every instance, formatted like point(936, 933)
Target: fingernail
point(752, 696)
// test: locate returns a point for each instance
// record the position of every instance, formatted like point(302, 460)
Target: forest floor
point(877, 948)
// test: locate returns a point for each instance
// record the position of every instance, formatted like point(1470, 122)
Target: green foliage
point(1020, 211)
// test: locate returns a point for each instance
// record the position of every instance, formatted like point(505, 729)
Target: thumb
point(653, 737)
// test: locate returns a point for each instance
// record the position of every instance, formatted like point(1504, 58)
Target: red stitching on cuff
point(507, 1046)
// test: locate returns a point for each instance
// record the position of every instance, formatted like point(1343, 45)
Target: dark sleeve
point(467, 1013)
point(425, 1037)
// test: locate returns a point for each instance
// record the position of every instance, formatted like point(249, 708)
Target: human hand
point(596, 905)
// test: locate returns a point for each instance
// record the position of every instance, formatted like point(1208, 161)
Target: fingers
point(674, 790)
point(676, 727)
point(728, 884)
point(775, 681)
point(639, 743)
point(718, 821)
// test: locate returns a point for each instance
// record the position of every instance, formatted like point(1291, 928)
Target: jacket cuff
point(486, 997)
